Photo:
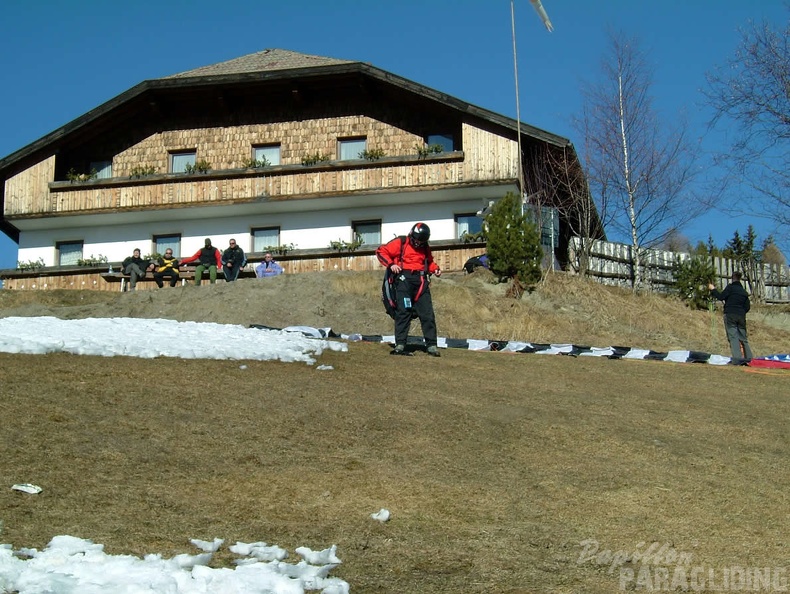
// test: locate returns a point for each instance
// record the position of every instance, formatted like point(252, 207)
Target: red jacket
point(413, 258)
point(196, 257)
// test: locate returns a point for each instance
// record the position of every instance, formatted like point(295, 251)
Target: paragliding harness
point(388, 285)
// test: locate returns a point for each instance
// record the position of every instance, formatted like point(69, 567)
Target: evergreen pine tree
point(513, 245)
point(692, 276)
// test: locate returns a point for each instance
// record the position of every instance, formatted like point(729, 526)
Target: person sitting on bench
point(136, 268)
point(209, 259)
point(167, 267)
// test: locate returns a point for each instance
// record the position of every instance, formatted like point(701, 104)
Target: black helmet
point(420, 234)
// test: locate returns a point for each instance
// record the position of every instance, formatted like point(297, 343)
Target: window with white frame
point(468, 224)
point(164, 242)
point(350, 148)
point(270, 153)
point(368, 231)
point(103, 169)
point(68, 252)
point(444, 140)
point(180, 160)
point(265, 238)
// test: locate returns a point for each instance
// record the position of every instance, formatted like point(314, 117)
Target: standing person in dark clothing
point(736, 306)
point(234, 260)
point(136, 268)
point(167, 267)
point(410, 260)
point(208, 258)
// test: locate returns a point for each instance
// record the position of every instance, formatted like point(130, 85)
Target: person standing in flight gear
point(410, 261)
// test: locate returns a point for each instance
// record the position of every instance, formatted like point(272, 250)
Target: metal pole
point(518, 107)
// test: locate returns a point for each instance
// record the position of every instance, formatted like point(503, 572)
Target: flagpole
point(538, 6)
point(520, 169)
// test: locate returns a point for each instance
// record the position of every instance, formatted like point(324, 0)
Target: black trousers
point(170, 273)
point(231, 272)
point(413, 294)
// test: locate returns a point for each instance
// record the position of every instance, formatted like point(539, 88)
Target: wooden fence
point(610, 263)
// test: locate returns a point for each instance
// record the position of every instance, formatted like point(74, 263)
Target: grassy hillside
point(499, 469)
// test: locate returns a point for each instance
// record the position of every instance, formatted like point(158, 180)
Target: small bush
point(429, 149)
point(691, 280)
point(92, 260)
point(279, 249)
point(315, 158)
point(345, 246)
point(467, 237)
point(201, 166)
point(30, 264)
point(372, 154)
point(75, 177)
point(142, 171)
point(256, 163)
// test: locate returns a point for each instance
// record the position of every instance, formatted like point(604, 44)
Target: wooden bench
point(185, 275)
point(120, 277)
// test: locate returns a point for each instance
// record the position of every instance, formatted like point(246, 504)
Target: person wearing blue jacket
point(268, 267)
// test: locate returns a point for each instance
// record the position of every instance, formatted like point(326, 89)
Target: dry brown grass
point(495, 466)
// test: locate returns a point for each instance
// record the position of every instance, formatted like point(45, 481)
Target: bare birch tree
point(639, 167)
point(752, 97)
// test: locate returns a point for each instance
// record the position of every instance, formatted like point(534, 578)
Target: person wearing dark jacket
point(736, 306)
point(233, 260)
point(166, 267)
point(411, 262)
point(208, 258)
point(136, 268)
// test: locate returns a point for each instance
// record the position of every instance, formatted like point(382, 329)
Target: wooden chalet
point(279, 150)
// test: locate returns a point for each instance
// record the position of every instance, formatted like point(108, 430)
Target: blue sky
point(61, 59)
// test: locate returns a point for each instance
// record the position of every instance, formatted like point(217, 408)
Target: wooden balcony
point(233, 186)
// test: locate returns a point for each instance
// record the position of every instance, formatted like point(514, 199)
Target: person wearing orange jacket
point(208, 258)
point(411, 263)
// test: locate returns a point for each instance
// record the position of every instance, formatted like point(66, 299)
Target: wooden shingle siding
point(485, 157)
point(228, 147)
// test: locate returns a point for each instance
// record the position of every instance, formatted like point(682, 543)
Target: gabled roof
point(260, 67)
point(264, 67)
point(263, 61)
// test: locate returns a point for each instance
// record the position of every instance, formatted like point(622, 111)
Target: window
point(163, 242)
point(264, 238)
point(179, 161)
point(549, 227)
point(369, 231)
point(468, 223)
point(103, 169)
point(68, 252)
point(445, 140)
point(350, 148)
point(270, 152)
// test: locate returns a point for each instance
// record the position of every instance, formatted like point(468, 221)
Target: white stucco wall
point(306, 230)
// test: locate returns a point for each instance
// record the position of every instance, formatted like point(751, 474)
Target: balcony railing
point(329, 178)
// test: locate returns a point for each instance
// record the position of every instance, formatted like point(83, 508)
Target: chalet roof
point(264, 67)
point(264, 61)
